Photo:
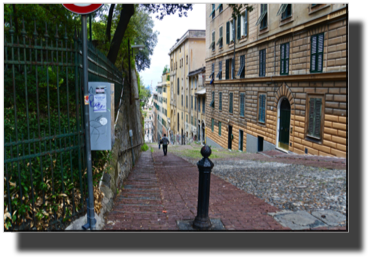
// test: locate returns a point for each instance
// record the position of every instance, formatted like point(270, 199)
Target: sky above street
point(171, 28)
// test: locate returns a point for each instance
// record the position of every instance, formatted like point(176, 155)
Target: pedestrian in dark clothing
point(159, 143)
point(165, 143)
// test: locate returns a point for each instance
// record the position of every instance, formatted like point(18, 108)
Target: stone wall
point(120, 164)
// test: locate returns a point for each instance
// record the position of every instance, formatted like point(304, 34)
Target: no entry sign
point(82, 8)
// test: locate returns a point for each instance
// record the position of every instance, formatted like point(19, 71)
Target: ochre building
point(278, 78)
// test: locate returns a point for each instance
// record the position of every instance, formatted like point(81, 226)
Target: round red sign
point(82, 8)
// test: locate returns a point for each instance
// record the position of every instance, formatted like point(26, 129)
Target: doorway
point(284, 125)
point(229, 137)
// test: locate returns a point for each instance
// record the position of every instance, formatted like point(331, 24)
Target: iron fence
point(44, 163)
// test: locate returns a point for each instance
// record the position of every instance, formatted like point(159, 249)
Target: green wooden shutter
point(264, 61)
point(220, 101)
point(233, 68)
point(313, 56)
point(227, 69)
point(287, 58)
point(320, 52)
point(228, 33)
point(242, 104)
point(310, 128)
point(318, 117)
point(239, 27)
point(282, 59)
point(246, 22)
point(231, 102)
point(264, 110)
point(233, 30)
point(260, 63)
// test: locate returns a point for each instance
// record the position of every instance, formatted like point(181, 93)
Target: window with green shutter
point(239, 27)
point(187, 118)
point(263, 19)
point(262, 98)
point(219, 75)
point(187, 99)
point(231, 102)
point(315, 117)
point(262, 62)
point(242, 98)
point(241, 72)
point(245, 23)
point(316, 54)
point(212, 104)
point(220, 41)
point(227, 69)
point(212, 14)
point(228, 32)
point(284, 56)
point(220, 129)
point(212, 124)
point(220, 101)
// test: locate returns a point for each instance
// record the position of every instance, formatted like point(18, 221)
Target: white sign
point(100, 103)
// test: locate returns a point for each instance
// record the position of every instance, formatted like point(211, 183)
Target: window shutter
point(233, 30)
point(287, 59)
point(318, 114)
point(313, 53)
point(233, 68)
point(228, 33)
point(231, 98)
point(264, 98)
point(246, 22)
point(264, 61)
point(260, 63)
point(220, 70)
point(310, 130)
point(282, 59)
point(227, 69)
point(241, 104)
point(239, 27)
point(220, 101)
point(320, 52)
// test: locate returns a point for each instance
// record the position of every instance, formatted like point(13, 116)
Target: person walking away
point(165, 142)
point(159, 143)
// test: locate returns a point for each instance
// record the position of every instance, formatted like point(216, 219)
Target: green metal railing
point(44, 164)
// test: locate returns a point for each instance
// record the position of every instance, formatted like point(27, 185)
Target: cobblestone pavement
point(158, 194)
point(287, 181)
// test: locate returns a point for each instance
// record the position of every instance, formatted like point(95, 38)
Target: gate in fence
point(44, 166)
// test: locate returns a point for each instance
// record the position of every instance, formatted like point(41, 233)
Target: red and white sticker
point(86, 99)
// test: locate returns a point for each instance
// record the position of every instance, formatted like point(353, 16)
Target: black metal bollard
point(202, 221)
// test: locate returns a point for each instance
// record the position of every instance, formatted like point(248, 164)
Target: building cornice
point(328, 17)
point(333, 76)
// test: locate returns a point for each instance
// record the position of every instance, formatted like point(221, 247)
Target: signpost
point(85, 9)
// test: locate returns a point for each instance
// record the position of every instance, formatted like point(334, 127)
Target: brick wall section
point(336, 46)
point(334, 93)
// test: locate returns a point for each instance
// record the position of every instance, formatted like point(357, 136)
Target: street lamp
point(140, 47)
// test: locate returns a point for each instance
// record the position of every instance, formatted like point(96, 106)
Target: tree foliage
point(236, 8)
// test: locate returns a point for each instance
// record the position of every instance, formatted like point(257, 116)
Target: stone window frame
point(308, 137)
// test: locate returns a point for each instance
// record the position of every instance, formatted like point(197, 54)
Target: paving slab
point(299, 220)
point(331, 218)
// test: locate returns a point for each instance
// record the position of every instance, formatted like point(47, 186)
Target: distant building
point(186, 55)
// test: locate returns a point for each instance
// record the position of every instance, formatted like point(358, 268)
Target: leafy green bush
point(144, 147)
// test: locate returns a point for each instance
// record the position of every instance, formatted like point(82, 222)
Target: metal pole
point(130, 76)
point(202, 221)
point(91, 214)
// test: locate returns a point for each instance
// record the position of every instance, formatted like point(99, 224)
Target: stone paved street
point(162, 190)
